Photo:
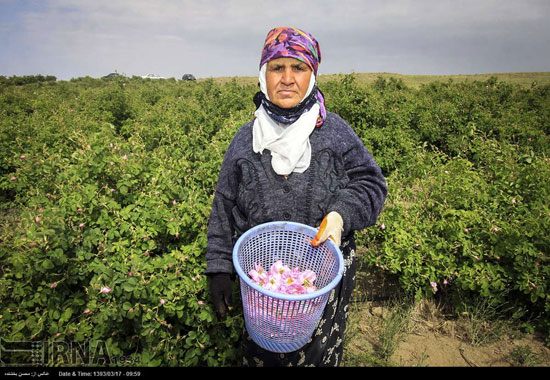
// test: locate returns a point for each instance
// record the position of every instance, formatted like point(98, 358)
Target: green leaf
point(67, 314)
point(47, 264)
point(18, 326)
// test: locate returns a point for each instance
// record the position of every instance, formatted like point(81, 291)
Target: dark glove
point(220, 291)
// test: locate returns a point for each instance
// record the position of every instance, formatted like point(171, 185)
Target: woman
point(295, 161)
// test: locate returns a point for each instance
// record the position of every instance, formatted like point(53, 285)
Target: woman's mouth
point(286, 93)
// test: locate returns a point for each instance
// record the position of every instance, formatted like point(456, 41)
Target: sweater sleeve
point(221, 224)
point(220, 233)
point(362, 199)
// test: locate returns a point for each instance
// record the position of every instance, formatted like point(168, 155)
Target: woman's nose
point(288, 77)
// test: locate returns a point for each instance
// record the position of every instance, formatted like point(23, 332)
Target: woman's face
point(287, 81)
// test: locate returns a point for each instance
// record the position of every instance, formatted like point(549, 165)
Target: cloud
point(223, 38)
point(441, 37)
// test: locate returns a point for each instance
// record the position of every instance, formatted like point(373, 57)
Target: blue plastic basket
point(279, 322)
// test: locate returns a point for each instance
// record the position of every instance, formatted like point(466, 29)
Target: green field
point(415, 81)
point(106, 187)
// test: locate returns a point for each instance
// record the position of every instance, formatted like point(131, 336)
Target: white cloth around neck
point(289, 144)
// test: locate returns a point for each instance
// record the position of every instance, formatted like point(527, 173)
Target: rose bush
point(106, 187)
point(109, 221)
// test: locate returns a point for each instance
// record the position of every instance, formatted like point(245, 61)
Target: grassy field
point(415, 81)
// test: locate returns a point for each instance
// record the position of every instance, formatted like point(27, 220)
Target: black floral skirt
point(326, 345)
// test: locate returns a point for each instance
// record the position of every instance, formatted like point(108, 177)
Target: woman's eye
point(294, 68)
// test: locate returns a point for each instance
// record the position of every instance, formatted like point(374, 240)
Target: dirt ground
point(383, 333)
point(432, 350)
point(425, 344)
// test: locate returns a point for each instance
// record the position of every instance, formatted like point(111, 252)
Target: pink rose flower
point(105, 289)
point(282, 279)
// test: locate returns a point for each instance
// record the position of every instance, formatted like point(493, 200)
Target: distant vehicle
point(188, 77)
point(112, 75)
point(152, 76)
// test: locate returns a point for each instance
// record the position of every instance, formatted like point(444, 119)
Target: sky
point(213, 38)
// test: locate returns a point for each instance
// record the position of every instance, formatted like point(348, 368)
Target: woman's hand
point(331, 226)
point(220, 291)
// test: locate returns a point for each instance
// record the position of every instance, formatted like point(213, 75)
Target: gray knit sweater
point(342, 177)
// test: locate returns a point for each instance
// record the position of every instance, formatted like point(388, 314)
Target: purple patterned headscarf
point(285, 42)
point(288, 42)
